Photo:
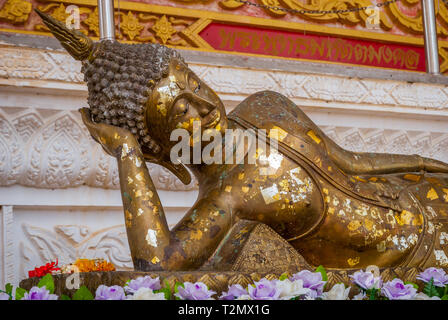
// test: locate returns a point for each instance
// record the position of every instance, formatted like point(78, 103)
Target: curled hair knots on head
point(120, 78)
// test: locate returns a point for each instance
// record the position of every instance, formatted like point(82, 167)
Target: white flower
point(146, 294)
point(360, 296)
point(244, 297)
point(291, 289)
point(422, 296)
point(338, 292)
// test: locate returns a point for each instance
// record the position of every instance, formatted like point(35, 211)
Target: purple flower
point(311, 280)
point(37, 293)
point(194, 291)
point(264, 290)
point(397, 290)
point(439, 276)
point(143, 282)
point(366, 280)
point(4, 296)
point(235, 291)
point(109, 293)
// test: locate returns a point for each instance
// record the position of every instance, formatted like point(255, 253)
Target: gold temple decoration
point(138, 23)
point(305, 203)
point(273, 3)
point(58, 12)
point(163, 29)
point(230, 4)
point(92, 21)
point(130, 25)
point(16, 11)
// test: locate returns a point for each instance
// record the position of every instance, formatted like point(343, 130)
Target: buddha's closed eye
point(183, 108)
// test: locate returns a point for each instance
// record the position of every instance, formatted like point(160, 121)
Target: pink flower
point(194, 291)
point(109, 293)
point(37, 293)
point(264, 290)
point(143, 282)
point(311, 280)
point(366, 280)
point(397, 290)
point(235, 291)
point(440, 278)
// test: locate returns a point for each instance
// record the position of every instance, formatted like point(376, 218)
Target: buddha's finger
point(432, 165)
point(91, 126)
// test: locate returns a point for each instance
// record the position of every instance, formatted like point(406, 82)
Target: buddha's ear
point(178, 170)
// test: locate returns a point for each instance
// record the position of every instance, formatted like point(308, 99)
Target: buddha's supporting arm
point(152, 245)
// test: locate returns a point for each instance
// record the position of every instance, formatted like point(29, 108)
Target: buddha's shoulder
point(263, 100)
point(266, 109)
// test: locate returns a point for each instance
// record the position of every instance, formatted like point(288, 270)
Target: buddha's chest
point(279, 193)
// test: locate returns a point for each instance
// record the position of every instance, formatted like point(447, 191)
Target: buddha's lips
point(216, 117)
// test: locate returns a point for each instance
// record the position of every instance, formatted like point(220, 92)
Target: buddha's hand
point(432, 165)
point(111, 138)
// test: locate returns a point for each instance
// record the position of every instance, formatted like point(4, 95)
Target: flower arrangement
point(51, 267)
point(91, 265)
point(80, 265)
point(304, 285)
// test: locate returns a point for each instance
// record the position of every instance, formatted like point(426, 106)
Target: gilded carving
point(157, 24)
point(130, 25)
point(276, 4)
point(58, 13)
point(16, 11)
point(163, 29)
point(230, 4)
point(92, 22)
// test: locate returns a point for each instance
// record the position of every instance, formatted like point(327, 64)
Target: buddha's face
point(180, 99)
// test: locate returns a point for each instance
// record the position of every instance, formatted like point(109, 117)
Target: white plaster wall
point(59, 191)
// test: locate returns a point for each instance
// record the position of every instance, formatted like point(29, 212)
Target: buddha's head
point(145, 88)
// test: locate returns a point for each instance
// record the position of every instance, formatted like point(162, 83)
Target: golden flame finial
point(77, 44)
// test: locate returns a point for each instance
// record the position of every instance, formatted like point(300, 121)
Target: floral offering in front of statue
point(88, 265)
point(303, 285)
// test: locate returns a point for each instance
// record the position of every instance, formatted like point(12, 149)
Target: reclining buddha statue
point(308, 203)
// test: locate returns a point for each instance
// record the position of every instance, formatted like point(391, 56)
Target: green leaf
point(8, 289)
point(323, 272)
point(83, 294)
point(283, 276)
point(372, 293)
point(430, 290)
point(65, 297)
point(445, 297)
point(48, 282)
point(177, 285)
point(166, 292)
point(413, 284)
point(20, 293)
point(440, 291)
